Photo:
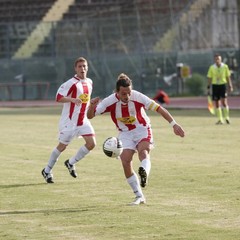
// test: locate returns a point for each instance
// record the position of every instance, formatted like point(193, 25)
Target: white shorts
point(68, 132)
point(130, 139)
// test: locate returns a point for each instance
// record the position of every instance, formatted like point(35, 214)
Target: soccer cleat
point(219, 122)
point(227, 121)
point(47, 176)
point(138, 201)
point(143, 176)
point(71, 168)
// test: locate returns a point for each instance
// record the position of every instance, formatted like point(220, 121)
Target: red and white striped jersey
point(128, 116)
point(75, 88)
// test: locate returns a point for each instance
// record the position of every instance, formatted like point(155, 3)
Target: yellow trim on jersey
point(154, 106)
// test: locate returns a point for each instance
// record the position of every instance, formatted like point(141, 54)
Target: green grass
point(193, 192)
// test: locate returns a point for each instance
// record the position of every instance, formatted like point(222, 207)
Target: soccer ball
point(112, 147)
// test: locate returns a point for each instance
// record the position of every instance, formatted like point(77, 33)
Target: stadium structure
point(150, 40)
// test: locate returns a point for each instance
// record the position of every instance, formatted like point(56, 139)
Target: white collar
point(215, 65)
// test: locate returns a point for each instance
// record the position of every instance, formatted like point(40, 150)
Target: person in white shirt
point(127, 110)
point(75, 94)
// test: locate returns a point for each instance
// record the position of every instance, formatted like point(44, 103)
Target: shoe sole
point(143, 176)
point(74, 175)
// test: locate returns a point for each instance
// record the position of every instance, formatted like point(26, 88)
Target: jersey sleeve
point(105, 104)
point(148, 103)
point(64, 89)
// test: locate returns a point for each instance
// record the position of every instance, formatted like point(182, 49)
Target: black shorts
point(219, 91)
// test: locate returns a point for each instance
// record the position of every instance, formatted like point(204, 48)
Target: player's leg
point(216, 99)
point(226, 113)
point(225, 104)
point(47, 171)
point(143, 149)
point(65, 137)
point(144, 138)
point(81, 153)
point(88, 135)
point(131, 176)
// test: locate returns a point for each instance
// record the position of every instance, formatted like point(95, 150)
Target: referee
point(219, 79)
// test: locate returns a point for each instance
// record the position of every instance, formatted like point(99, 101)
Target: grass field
point(193, 191)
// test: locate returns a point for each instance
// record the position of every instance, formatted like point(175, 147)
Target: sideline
point(178, 102)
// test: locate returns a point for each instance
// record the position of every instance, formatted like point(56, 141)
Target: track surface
point(181, 102)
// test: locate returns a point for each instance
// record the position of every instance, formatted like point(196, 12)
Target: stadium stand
point(23, 10)
point(115, 19)
point(18, 18)
point(43, 28)
point(118, 24)
point(146, 38)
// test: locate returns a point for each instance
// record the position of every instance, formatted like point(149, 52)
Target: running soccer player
point(127, 109)
point(75, 95)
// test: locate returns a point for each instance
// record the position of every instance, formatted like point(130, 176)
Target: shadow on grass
point(49, 211)
point(21, 185)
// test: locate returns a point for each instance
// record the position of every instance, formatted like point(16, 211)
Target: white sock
point(146, 164)
point(133, 181)
point(52, 160)
point(81, 153)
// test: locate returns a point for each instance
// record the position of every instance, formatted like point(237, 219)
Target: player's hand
point(178, 130)
point(94, 101)
point(92, 107)
point(76, 101)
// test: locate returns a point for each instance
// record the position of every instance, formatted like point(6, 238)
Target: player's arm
point(209, 80)
point(209, 85)
point(230, 86)
point(92, 107)
point(178, 130)
point(63, 99)
point(165, 114)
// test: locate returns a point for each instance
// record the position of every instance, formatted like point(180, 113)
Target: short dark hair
point(80, 59)
point(123, 81)
point(217, 55)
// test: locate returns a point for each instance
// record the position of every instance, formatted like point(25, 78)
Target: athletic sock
point(81, 153)
point(146, 164)
point(219, 114)
point(226, 113)
point(134, 183)
point(52, 160)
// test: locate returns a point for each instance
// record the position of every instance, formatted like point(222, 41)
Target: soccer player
point(75, 95)
point(218, 77)
point(127, 109)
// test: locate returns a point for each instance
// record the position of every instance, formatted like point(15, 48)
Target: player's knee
point(91, 145)
point(126, 163)
point(143, 153)
point(61, 147)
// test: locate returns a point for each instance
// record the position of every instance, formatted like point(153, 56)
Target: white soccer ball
point(112, 147)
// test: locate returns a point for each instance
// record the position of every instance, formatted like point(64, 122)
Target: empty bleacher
point(18, 18)
point(88, 25)
point(114, 26)
point(23, 10)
